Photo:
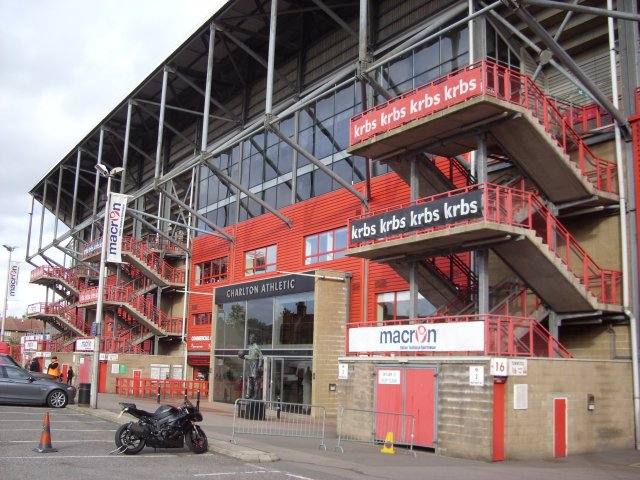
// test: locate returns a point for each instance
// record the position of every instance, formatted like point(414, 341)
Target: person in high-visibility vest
point(54, 367)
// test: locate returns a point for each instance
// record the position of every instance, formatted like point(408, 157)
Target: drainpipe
point(623, 233)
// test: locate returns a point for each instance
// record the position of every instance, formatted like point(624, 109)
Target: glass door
point(273, 372)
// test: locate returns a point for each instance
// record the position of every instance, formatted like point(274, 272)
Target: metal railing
point(374, 426)
point(507, 336)
point(509, 206)
point(260, 417)
point(160, 389)
point(515, 88)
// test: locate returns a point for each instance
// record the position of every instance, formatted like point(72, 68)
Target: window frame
point(252, 268)
point(221, 276)
point(329, 255)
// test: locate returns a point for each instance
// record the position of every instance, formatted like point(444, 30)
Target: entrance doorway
point(288, 380)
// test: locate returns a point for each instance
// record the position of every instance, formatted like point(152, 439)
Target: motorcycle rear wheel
point(196, 440)
point(125, 438)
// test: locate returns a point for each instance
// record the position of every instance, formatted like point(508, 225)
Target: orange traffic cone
point(45, 438)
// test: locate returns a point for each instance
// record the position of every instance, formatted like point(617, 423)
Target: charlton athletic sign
point(416, 104)
point(439, 212)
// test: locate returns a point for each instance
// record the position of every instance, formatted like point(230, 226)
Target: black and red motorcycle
point(167, 427)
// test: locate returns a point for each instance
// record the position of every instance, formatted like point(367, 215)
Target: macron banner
point(14, 270)
point(436, 337)
point(113, 235)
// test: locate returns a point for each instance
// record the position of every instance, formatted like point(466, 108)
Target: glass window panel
point(311, 245)
point(283, 195)
point(345, 98)
point(202, 194)
point(285, 158)
point(270, 196)
point(230, 325)
point(323, 140)
point(400, 71)
point(294, 320)
point(260, 320)
point(306, 117)
point(321, 183)
point(305, 140)
point(340, 239)
point(324, 108)
point(304, 186)
point(227, 372)
point(341, 130)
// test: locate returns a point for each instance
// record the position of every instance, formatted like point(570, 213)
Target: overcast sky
point(64, 64)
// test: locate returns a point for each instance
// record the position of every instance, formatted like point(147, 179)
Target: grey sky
point(64, 64)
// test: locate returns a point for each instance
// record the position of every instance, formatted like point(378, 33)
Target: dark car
point(18, 385)
point(9, 360)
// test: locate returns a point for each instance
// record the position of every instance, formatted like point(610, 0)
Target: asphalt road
point(84, 441)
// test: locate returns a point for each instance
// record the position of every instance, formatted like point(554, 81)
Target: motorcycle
point(167, 427)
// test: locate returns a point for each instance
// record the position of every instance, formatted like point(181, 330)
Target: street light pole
point(95, 365)
point(6, 293)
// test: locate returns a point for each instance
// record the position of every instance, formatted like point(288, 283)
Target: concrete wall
point(329, 333)
point(465, 412)
point(529, 433)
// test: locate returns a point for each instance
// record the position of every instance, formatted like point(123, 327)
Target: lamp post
point(95, 365)
point(6, 293)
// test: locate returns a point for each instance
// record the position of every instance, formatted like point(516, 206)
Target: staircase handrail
point(141, 250)
point(509, 206)
point(140, 303)
point(513, 87)
point(503, 336)
point(62, 273)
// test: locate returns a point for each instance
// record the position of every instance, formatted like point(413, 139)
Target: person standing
point(54, 367)
point(34, 366)
point(70, 375)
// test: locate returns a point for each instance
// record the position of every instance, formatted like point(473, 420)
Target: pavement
point(367, 459)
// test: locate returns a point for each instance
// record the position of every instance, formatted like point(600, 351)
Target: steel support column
point(163, 101)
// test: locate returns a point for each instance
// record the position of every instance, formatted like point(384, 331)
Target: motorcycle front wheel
point(127, 442)
point(196, 440)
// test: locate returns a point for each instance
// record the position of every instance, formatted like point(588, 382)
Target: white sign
point(30, 345)
point(476, 375)
point(112, 357)
point(343, 371)
point(499, 367)
point(518, 367)
point(117, 209)
point(14, 271)
point(84, 345)
point(389, 377)
point(436, 337)
point(521, 396)
point(115, 368)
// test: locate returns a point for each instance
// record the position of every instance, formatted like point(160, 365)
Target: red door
point(102, 378)
point(84, 370)
point(419, 401)
point(410, 394)
point(560, 427)
point(388, 418)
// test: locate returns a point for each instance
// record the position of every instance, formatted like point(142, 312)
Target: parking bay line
point(58, 457)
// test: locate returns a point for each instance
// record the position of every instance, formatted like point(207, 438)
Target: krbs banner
point(439, 212)
point(415, 104)
point(117, 209)
point(14, 271)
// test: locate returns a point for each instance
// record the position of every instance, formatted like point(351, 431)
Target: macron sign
point(416, 104)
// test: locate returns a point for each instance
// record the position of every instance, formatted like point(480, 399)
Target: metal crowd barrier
point(260, 417)
point(374, 426)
